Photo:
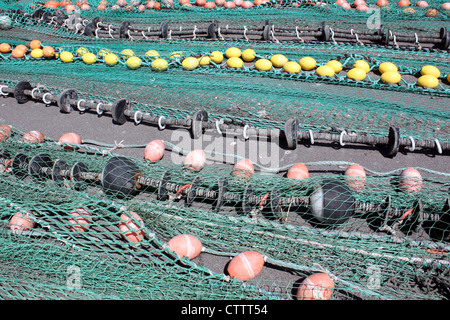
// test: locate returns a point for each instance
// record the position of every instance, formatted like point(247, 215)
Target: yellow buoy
point(356, 74)
point(37, 53)
point(152, 54)
point(66, 56)
point(159, 64)
point(126, 53)
point(89, 58)
point(362, 65)
point(204, 61)
point(235, 62)
point(430, 70)
point(216, 57)
point(190, 63)
point(233, 52)
point(263, 65)
point(292, 67)
point(176, 55)
point(335, 65)
point(387, 66)
point(248, 55)
point(307, 63)
point(133, 62)
point(81, 51)
point(428, 81)
point(391, 77)
point(325, 71)
point(278, 60)
point(111, 59)
point(103, 52)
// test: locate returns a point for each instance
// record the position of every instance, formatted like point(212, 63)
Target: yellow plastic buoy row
point(236, 59)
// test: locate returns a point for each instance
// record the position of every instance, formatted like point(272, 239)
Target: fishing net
point(401, 236)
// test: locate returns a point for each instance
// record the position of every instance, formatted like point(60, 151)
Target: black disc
point(118, 111)
point(197, 123)
point(164, 30)
point(123, 30)
point(274, 199)
point(445, 36)
point(325, 36)
point(57, 169)
point(119, 177)
point(63, 100)
point(191, 194)
point(222, 189)
point(291, 133)
point(19, 165)
point(246, 206)
point(212, 29)
point(76, 174)
point(46, 17)
point(37, 14)
point(89, 29)
point(266, 33)
point(332, 203)
point(393, 146)
point(61, 18)
point(37, 163)
point(162, 191)
point(19, 93)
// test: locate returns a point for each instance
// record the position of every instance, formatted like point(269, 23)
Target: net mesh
point(412, 256)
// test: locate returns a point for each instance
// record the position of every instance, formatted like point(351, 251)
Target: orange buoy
point(48, 52)
point(131, 231)
point(154, 151)
point(5, 48)
point(220, 2)
point(35, 44)
point(52, 4)
point(318, 286)
point(229, 4)
point(246, 265)
point(298, 171)
point(247, 4)
point(210, 5)
point(21, 222)
point(5, 131)
point(33, 137)
point(18, 53)
point(243, 169)
point(410, 180)
point(185, 245)
point(195, 160)
point(80, 218)
point(70, 137)
point(355, 177)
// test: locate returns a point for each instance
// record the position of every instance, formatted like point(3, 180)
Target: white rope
point(136, 120)
point(44, 99)
point(1, 90)
point(413, 144)
point(99, 111)
point(438, 146)
point(340, 138)
point(311, 136)
point(245, 133)
point(160, 125)
point(218, 126)
point(79, 107)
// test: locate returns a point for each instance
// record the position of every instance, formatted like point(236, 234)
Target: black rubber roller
point(332, 203)
point(119, 177)
point(19, 91)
